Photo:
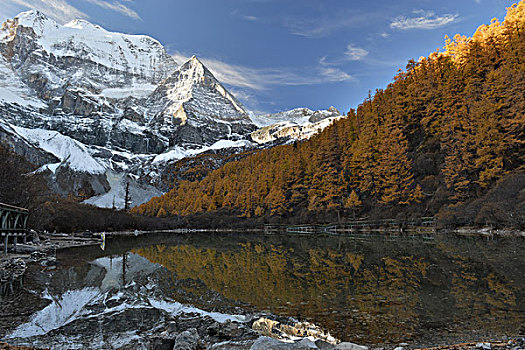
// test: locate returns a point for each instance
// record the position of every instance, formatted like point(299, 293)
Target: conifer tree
point(353, 202)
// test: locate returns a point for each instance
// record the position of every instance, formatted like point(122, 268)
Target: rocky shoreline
point(191, 332)
point(41, 248)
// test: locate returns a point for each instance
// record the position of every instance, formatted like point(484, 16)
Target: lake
point(373, 290)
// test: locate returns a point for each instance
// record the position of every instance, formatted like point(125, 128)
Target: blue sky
point(275, 55)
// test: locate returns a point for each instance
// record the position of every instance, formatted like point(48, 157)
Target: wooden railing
point(424, 223)
point(13, 224)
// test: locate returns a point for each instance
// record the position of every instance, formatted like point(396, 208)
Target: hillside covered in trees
point(446, 137)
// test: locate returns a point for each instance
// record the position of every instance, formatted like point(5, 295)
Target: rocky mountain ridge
point(296, 124)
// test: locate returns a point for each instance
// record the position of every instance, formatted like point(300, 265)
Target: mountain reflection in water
point(368, 290)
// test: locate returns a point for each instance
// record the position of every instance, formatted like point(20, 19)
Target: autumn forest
point(445, 138)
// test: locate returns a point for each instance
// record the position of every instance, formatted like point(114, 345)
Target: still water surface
point(368, 290)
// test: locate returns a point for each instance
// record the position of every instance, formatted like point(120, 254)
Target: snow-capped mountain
point(95, 109)
point(296, 124)
point(192, 107)
point(100, 108)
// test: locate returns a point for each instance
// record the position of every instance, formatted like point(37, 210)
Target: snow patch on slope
point(68, 150)
point(13, 90)
point(297, 115)
point(115, 197)
point(177, 153)
point(137, 90)
point(290, 130)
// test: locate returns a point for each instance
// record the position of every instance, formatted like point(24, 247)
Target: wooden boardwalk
point(13, 225)
point(423, 225)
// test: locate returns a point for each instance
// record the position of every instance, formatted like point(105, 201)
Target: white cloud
point(58, 10)
point(323, 25)
point(319, 75)
point(262, 78)
point(323, 61)
point(246, 97)
point(351, 53)
point(117, 7)
point(425, 20)
point(238, 14)
point(333, 74)
point(354, 53)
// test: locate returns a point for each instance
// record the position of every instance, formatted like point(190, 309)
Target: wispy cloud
point(323, 25)
point(243, 95)
point(354, 53)
point(117, 7)
point(263, 78)
point(422, 20)
point(351, 53)
point(238, 14)
point(58, 10)
point(62, 11)
point(333, 74)
point(249, 100)
point(231, 74)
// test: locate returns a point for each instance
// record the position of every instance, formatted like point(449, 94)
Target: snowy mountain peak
point(193, 102)
point(196, 64)
point(29, 18)
point(194, 68)
point(193, 79)
point(193, 71)
point(36, 20)
point(42, 39)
